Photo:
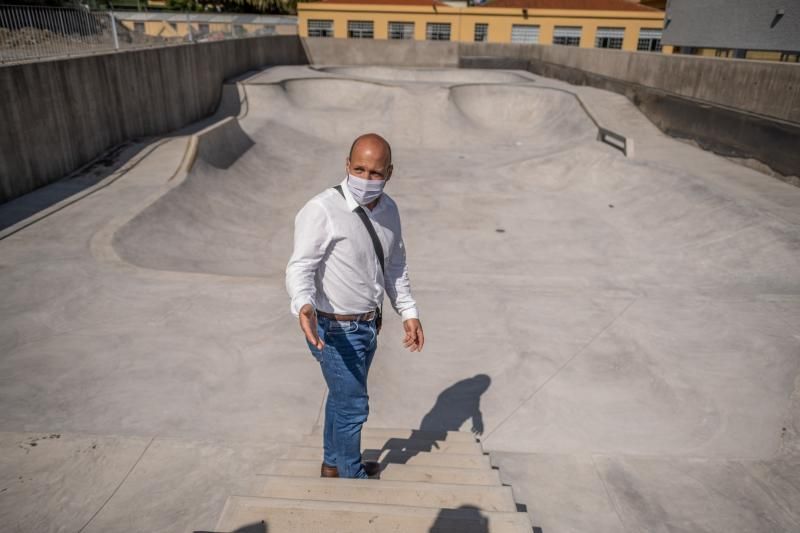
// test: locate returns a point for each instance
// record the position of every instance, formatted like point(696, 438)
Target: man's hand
point(414, 338)
point(308, 323)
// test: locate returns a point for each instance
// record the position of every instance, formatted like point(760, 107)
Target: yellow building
point(620, 24)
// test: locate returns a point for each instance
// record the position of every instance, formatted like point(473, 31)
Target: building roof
point(588, 5)
point(388, 2)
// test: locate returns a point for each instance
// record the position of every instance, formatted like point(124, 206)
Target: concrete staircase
point(429, 482)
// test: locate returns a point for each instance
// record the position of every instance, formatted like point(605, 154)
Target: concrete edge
point(614, 139)
point(101, 244)
point(230, 103)
point(716, 128)
point(236, 501)
point(66, 202)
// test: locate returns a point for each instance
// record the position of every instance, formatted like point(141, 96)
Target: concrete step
point(401, 472)
point(407, 493)
point(293, 516)
point(418, 434)
point(458, 460)
point(414, 444)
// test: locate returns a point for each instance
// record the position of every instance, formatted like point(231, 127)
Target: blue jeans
point(345, 361)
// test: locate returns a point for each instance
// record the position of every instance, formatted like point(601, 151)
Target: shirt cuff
point(409, 313)
point(299, 301)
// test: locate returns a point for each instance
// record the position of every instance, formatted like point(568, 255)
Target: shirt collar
point(351, 202)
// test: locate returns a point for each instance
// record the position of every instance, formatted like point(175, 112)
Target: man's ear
point(389, 172)
point(347, 164)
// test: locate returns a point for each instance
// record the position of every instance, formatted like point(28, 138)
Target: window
point(523, 33)
point(649, 40)
point(790, 57)
point(436, 31)
point(359, 29)
point(320, 28)
point(481, 32)
point(238, 29)
point(138, 27)
point(567, 35)
point(203, 27)
point(609, 38)
point(401, 30)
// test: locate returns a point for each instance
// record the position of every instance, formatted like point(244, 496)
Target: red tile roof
point(589, 5)
point(387, 2)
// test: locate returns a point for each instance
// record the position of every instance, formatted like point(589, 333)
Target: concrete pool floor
point(637, 318)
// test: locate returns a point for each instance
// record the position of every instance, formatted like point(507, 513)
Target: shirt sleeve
point(398, 286)
point(312, 237)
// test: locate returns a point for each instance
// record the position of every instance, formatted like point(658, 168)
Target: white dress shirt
point(334, 266)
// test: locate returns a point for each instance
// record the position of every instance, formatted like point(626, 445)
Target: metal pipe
point(114, 30)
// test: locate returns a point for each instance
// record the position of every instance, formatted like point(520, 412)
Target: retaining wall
point(737, 108)
point(766, 88)
point(747, 109)
point(57, 115)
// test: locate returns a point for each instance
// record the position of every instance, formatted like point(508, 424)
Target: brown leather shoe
point(329, 471)
point(372, 468)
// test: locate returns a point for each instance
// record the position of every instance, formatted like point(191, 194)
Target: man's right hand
point(308, 323)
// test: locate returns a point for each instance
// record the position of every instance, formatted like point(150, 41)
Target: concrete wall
point(58, 115)
point(743, 24)
point(326, 51)
point(734, 108)
point(738, 108)
point(766, 88)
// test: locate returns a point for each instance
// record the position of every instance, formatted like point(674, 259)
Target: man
point(337, 280)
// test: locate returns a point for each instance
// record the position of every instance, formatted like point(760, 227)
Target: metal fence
point(32, 32)
point(28, 33)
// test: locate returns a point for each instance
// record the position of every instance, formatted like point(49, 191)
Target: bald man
point(336, 279)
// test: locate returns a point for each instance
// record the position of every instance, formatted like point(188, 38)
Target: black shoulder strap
point(376, 243)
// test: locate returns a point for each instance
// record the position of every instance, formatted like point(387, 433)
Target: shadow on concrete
point(455, 405)
point(465, 519)
point(255, 527)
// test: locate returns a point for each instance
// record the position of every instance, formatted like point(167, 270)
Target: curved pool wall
point(61, 114)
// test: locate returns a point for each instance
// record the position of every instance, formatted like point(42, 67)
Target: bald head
point(370, 157)
point(372, 142)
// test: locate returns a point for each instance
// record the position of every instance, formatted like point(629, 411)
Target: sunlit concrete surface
point(637, 317)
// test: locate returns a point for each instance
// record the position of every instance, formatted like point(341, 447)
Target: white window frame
point(484, 32)
point(567, 35)
point(320, 28)
point(611, 38)
point(434, 31)
point(525, 33)
point(406, 30)
point(360, 29)
point(649, 40)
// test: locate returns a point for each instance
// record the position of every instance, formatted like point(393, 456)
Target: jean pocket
point(315, 352)
point(341, 327)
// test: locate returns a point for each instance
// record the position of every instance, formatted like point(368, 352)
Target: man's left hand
point(414, 338)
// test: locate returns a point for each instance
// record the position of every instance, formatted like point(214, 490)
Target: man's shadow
point(455, 405)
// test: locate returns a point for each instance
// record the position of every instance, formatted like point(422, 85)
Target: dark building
point(751, 29)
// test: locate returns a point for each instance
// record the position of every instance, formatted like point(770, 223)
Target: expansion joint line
point(118, 485)
point(611, 500)
point(562, 367)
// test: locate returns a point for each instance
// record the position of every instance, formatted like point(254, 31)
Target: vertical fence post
point(189, 26)
point(114, 29)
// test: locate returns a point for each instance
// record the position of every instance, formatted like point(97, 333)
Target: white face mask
point(364, 191)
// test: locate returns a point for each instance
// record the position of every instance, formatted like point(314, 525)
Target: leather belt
point(363, 317)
